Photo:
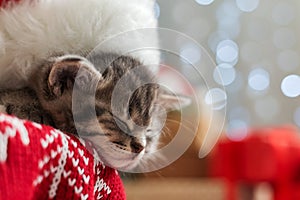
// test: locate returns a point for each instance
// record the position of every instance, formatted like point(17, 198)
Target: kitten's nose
point(136, 147)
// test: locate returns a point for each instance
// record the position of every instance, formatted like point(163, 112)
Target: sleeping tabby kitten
point(123, 126)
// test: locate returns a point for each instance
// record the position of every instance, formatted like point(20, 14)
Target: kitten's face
point(125, 137)
point(119, 114)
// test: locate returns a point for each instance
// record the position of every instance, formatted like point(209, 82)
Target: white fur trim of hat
point(33, 30)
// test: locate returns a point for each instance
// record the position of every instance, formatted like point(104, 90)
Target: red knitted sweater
point(39, 162)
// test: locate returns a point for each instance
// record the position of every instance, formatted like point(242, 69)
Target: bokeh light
point(204, 2)
point(237, 130)
point(259, 79)
point(247, 5)
point(290, 85)
point(255, 46)
point(232, 63)
point(190, 54)
point(216, 98)
point(227, 51)
point(224, 74)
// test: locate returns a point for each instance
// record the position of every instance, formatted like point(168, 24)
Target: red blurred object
point(3, 3)
point(267, 155)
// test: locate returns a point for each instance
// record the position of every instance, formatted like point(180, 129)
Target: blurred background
point(254, 77)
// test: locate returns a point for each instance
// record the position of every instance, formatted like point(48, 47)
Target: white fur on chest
point(31, 33)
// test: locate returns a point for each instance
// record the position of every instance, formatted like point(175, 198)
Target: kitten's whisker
point(182, 121)
point(183, 124)
point(166, 131)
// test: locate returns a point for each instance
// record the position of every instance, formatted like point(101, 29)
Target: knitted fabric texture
point(40, 162)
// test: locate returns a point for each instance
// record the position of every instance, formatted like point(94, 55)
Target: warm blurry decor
point(256, 48)
point(256, 53)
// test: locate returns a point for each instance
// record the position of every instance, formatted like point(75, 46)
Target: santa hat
point(33, 30)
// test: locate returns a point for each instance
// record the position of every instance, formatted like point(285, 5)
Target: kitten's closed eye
point(122, 125)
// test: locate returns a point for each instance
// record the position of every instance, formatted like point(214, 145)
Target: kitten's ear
point(66, 70)
point(172, 101)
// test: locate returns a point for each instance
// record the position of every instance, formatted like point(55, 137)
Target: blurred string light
point(283, 13)
point(232, 63)
point(227, 51)
point(224, 74)
point(156, 10)
point(247, 5)
point(271, 24)
point(290, 85)
point(288, 60)
point(228, 18)
point(216, 98)
point(204, 2)
point(259, 79)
